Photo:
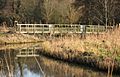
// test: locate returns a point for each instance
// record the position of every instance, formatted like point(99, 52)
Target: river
point(24, 60)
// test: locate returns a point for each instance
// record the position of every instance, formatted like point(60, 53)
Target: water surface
point(24, 60)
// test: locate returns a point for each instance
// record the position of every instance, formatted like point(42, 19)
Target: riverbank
point(17, 38)
point(101, 52)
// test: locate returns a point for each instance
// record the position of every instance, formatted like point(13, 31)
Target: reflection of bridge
point(59, 28)
point(22, 56)
point(28, 52)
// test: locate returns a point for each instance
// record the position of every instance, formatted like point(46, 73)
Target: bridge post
point(82, 27)
point(51, 30)
point(28, 29)
point(42, 29)
point(19, 28)
point(91, 30)
point(15, 25)
point(83, 34)
point(98, 29)
point(34, 29)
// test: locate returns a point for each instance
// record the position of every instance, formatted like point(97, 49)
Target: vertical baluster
point(20, 28)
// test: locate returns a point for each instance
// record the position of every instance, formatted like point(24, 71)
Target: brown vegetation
point(60, 69)
point(7, 38)
point(101, 51)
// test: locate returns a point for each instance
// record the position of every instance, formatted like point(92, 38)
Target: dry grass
point(16, 38)
point(103, 49)
point(106, 45)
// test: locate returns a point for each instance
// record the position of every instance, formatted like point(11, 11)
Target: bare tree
point(68, 12)
point(74, 13)
point(26, 9)
point(105, 11)
point(48, 9)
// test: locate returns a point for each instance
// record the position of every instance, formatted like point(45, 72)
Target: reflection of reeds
point(60, 69)
point(105, 47)
point(9, 65)
point(39, 66)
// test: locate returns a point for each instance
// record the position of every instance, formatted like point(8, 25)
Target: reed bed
point(101, 51)
point(10, 38)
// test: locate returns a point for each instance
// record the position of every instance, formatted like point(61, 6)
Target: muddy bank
point(16, 38)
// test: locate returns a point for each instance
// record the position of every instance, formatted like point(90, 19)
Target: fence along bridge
point(58, 28)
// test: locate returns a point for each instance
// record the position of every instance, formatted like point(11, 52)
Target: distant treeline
point(105, 12)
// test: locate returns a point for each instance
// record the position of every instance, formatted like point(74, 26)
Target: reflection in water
point(12, 65)
point(54, 68)
point(26, 72)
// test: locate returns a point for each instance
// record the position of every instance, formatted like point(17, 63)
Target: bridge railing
point(33, 28)
point(47, 28)
point(59, 28)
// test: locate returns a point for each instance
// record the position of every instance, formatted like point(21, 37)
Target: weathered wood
point(59, 28)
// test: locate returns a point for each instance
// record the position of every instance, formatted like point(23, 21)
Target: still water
point(24, 60)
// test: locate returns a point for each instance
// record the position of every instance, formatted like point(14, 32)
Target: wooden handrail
point(47, 28)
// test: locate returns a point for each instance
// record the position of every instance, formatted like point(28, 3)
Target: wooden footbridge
point(58, 28)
